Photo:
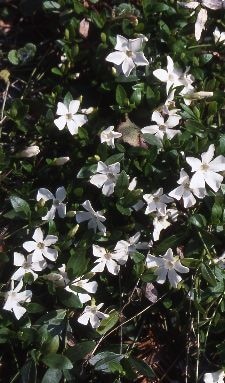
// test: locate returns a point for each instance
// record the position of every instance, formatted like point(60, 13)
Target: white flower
point(206, 170)
point(26, 266)
point(29, 151)
point(163, 127)
point(14, 297)
point(214, 377)
point(95, 218)
point(219, 37)
point(40, 246)
point(106, 177)
point(92, 314)
point(172, 76)
point(157, 202)
point(160, 222)
point(85, 285)
point(110, 260)
point(109, 135)
point(57, 205)
point(184, 191)
point(125, 248)
point(128, 54)
point(69, 116)
point(167, 264)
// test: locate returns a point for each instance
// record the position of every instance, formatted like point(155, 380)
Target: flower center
point(129, 53)
point(204, 167)
point(69, 116)
point(56, 202)
point(107, 255)
point(186, 185)
point(156, 199)
point(41, 245)
point(169, 265)
point(162, 127)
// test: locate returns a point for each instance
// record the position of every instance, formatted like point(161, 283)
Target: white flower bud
point(29, 151)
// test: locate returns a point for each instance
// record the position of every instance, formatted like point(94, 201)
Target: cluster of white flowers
point(127, 56)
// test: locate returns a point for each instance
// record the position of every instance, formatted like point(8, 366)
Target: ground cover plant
point(112, 156)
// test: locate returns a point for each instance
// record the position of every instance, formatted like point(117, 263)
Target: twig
point(5, 94)
point(122, 324)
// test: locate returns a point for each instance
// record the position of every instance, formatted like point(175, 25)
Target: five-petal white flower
point(125, 248)
point(109, 135)
point(40, 246)
point(184, 191)
point(92, 314)
point(163, 127)
point(106, 177)
point(157, 202)
point(128, 54)
point(57, 200)
point(167, 264)
point(110, 260)
point(206, 170)
point(26, 266)
point(214, 377)
point(95, 218)
point(14, 297)
point(85, 285)
point(172, 76)
point(69, 117)
point(161, 222)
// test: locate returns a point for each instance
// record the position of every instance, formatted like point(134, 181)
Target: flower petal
point(72, 127)
point(161, 74)
point(50, 254)
point(38, 235)
point(61, 109)
point(60, 122)
point(197, 181)
point(116, 57)
point(98, 180)
point(214, 180)
point(60, 194)
point(121, 43)
point(19, 259)
point(208, 156)
point(140, 59)
point(44, 194)
point(50, 240)
point(74, 106)
point(174, 278)
point(61, 209)
point(29, 246)
point(127, 66)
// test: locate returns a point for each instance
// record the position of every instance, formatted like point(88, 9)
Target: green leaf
point(137, 257)
point(107, 361)
point(51, 5)
point(142, 367)
point(122, 184)
point(136, 97)
point(29, 372)
point(152, 140)
point(80, 350)
point(121, 95)
point(13, 57)
point(198, 220)
point(57, 361)
point(222, 144)
point(208, 275)
point(52, 376)
point(20, 205)
point(114, 158)
point(69, 299)
point(108, 323)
